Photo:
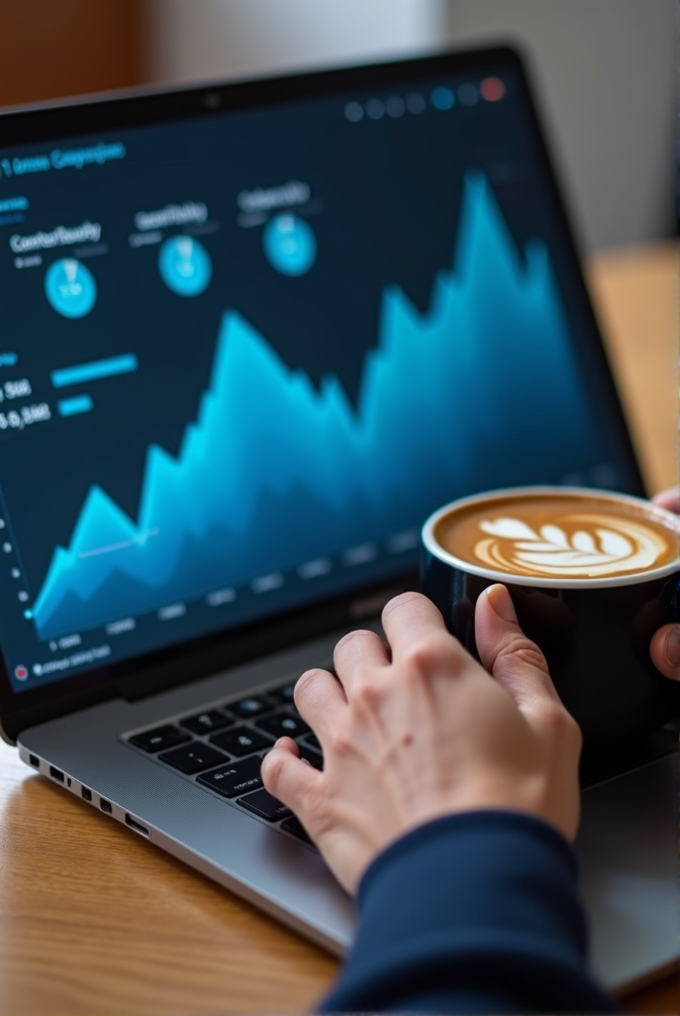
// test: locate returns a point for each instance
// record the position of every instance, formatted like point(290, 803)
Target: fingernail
point(673, 647)
point(501, 603)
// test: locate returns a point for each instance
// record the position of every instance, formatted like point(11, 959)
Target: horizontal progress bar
point(94, 371)
point(78, 404)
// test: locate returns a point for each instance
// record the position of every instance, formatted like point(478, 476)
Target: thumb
point(512, 659)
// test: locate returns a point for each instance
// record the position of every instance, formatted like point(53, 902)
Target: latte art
point(600, 546)
point(560, 535)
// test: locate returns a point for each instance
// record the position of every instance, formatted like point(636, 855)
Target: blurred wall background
point(202, 39)
point(606, 76)
point(605, 71)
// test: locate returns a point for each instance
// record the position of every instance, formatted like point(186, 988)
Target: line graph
point(274, 472)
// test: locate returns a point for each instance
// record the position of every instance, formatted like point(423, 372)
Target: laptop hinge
point(259, 640)
point(13, 723)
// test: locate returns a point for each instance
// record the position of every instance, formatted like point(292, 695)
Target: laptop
point(252, 335)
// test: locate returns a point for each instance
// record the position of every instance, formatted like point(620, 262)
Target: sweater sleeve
point(471, 913)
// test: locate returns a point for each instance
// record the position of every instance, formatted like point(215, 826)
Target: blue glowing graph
point(479, 391)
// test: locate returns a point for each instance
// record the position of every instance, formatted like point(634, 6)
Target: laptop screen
point(245, 353)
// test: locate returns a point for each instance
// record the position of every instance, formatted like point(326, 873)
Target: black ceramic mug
point(587, 589)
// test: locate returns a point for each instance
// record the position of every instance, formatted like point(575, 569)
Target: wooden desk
point(94, 920)
point(636, 297)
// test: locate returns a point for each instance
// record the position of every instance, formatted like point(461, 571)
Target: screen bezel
point(198, 657)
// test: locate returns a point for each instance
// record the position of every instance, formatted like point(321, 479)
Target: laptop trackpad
point(628, 858)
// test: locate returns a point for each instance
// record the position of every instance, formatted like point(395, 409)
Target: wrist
point(481, 904)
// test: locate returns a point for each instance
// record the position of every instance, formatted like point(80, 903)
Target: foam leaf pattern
point(594, 549)
point(554, 535)
point(614, 543)
point(508, 529)
point(584, 542)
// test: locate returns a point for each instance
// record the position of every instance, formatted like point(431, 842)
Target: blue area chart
point(274, 471)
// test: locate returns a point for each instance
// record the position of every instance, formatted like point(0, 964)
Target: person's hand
point(416, 729)
point(665, 646)
point(669, 499)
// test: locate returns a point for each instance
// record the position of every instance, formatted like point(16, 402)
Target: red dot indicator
point(21, 673)
point(492, 89)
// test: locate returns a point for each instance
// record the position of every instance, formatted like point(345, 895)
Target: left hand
point(415, 729)
point(665, 646)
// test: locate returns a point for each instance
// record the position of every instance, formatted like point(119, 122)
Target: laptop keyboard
point(222, 747)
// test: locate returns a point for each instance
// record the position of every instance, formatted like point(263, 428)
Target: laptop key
point(263, 804)
point(251, 706)
point(282, 696)
point(312, 740)
point(241, 741)
point(295, 827)
point(193, 758)
point(237, 778)
point(160, 738)
point(314, 758)
point(207, 722)
point(283, 724)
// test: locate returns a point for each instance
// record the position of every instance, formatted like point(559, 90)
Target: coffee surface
point(560, 536)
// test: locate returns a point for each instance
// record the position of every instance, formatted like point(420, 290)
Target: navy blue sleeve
point(471, 913)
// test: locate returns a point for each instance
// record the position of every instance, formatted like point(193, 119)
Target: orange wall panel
point(53, 48)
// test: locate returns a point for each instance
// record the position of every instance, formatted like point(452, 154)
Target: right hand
point(665, 647)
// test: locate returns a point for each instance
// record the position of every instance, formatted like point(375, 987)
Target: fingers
point(288, 778)
point(512, 659)
point(669, 499)
point(411, 621)
point(665, 651)
point(358, 652)
point(318, 697)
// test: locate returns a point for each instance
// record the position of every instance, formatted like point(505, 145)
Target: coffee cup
point(592, 574)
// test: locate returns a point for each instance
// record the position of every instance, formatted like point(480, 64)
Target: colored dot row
point(441, 98)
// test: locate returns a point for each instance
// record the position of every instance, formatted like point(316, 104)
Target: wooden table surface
point(94, 920)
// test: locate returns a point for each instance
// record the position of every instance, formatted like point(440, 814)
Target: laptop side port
point(86, 793)
point(105, 806)
point(35, 761)
point(56, 774)
point(137, 826)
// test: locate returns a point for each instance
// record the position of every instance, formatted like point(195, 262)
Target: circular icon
point(492, 89)
point(70, 288)
point(443, 99)
point(354, 112)
point(185, 266)
point(375, 109)
point(21, 673)
point(415, 103)
point(290, 244)
point(468, 95)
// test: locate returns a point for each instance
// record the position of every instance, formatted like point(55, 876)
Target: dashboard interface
point(243, 356)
